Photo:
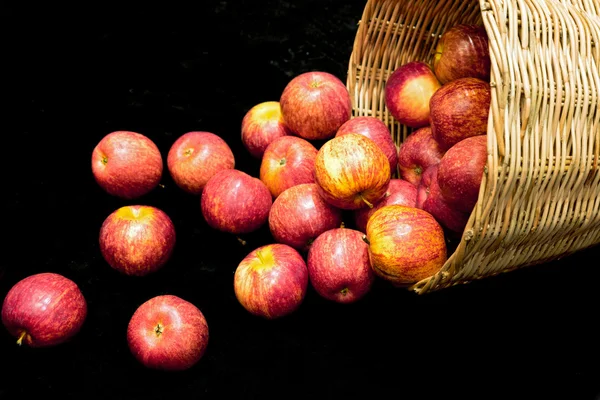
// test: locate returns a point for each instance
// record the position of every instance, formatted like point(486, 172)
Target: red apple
point(399, 192)
point(271, 281)
point(377, 131)
point(418, 152)
point(167, 333)
point(352, 172)
point(137, 240)
point(408, 91)
point(262, 124)
point(315, 104)
point(300, 214)
point(195, 157)
point(460, 172)
point(127, 164)
point(338, 265)
point(406, 244)
point(287, 161)
point(462, 52)
point(44, 309)
point(235, 202)
point(459, 110)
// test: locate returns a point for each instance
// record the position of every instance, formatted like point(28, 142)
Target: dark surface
point(162, 72)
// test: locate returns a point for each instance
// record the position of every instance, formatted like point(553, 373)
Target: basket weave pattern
point(540, 193)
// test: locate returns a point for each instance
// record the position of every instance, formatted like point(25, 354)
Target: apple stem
point(342, 225)
point(260, 257)
point(242, 241)
point(160, 185)
point(21, 337)
point(367, 202)
point(364, 238)
point(282, 161)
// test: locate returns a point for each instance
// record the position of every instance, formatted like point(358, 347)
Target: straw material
point(540, 192)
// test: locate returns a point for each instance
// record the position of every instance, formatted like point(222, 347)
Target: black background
point(76, 74)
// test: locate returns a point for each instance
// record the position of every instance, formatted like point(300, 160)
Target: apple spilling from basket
point(344, 204)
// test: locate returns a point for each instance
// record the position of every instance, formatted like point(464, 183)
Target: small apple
point(300, 214)
point(127, 164)
point(315, 104)
point(271, 281)
point(167, 333)
point(406, 244)
point(408, 91)
point(262, 124)
point(399, 192)
point(137, 240)
point(351, 172)
point(44, 309)
point(287, 161)
point(338, 265)
point(460, 172)
point(418, 152)
point(462, 52)
point(195, 157)
point(235, 202)
point(377, 131)
point(459, 110)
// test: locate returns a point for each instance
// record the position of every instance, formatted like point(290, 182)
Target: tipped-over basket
point(540, 193)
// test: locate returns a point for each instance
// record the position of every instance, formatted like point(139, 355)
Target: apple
point(351, 172)
point(44, 309)
point(271, 281)
point(408, 91)
point(315, 104)
point(462, 52)
point(195, 157)
point(377, 131)
point(235, 202)
point(399, 192)
point(459, 110)
point(406, 244)
point(418, 152)
point(460, 172)
point(287, 161)
point(262, 124)
point(300, 214)
point(338, 265)
point(137, 240)
point(167, 333)
point(127, 164)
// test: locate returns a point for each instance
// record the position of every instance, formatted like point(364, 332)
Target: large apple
point(338, 265)
point(315, 104)
point(351, 172)
point(44, 309)
point(287, 161)
point(271, 281)
point(462, 52)
point(262, 124)
point(137, 240)
point(406, 244)
point(235, 202)
point(459, 110)
point(408, 91)
point(168, 333)
point(127, 164)
point(377, 131)
point(195, 157)
point(460, 172)
point(300, 214)
point(399, 192)
point(418, 152)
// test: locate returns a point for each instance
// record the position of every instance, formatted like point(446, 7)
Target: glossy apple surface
point(127, 164)
point(137, 240)
point(287, 161)
point(262, 124)
point(315, 104)
point(167, 333)
point(43, 310)
point(271, 281)
point(418, 152)
point(195, 157)
point(352, 172)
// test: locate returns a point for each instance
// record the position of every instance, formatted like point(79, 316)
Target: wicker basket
point(540, 192)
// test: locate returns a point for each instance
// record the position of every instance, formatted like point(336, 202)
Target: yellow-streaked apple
point(418, 152)
point(262, 124)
